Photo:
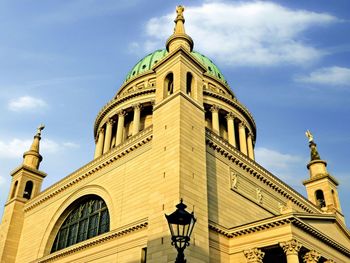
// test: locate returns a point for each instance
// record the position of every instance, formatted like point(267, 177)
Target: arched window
point(320, 199)
point(189, 80)
point(14, 189)
point(88, 219)
point(28, 190)
point(169, 84)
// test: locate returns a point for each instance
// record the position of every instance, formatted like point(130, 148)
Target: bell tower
point(321, 187)
point(26, 184)
point(179, 138)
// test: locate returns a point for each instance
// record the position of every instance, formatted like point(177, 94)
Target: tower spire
point(32, 158)
point(179, 37)
point(321, 187)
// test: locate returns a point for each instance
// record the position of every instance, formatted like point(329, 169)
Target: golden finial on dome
point(179, 37)
point(179, 20)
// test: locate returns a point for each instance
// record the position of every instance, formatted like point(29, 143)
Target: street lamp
point(181, 224)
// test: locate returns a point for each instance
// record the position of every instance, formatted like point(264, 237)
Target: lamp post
point(181, 224)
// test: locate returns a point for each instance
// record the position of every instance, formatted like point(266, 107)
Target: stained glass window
point(88, 219)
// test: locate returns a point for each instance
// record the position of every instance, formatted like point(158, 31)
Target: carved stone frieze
point(259, 196)
point(233, 180)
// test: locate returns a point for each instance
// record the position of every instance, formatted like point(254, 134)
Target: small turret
point(179, 37)
point(32, 158)
point(25, 185)
point(321, 187)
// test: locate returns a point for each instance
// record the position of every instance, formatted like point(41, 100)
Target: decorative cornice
point(28, 169)
point(319, 177)
point(92, 167)
point(122, 231)
point(221, 146)
point(277, 221)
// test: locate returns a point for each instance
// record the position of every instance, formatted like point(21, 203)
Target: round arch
point(64, 209)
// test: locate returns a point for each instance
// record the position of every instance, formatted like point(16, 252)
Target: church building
point(173, 131)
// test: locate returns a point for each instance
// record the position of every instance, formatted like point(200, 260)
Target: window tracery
point(89, 219)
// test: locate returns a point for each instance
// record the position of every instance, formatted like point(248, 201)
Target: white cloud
point(16, 147)
point(332, 76)
point(71, 145)
point(25, 103)
point(285, 166)
point(245, 33)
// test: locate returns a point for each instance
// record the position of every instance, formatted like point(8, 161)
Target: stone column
point(242, 138)
point(100, 141)
point(215, 119)
point(120, 127)
point(254, 255)
point(108, 136)
point(136, 121)
point(291, 249)
point(250, 145)
point(311, 257)
point(230, 117)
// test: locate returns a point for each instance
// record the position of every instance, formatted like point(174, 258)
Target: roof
point(148, 61)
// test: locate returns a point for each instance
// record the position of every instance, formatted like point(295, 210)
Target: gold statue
point(179, 11)
point(309, 136)
point(40, 128)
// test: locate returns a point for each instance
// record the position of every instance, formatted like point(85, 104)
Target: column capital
point(122, 113)
point(111, 121)
point(291, 247)
point(230, 116)
point(102, 130)
point(311, 257)
point(137, 106)
point(214, 108)
point(254, 255)
point(242, 124)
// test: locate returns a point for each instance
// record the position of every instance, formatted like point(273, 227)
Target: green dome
point(148, 61)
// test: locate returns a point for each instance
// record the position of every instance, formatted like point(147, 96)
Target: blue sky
point(287, 61)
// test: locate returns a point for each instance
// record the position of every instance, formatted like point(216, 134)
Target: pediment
point(330, 226)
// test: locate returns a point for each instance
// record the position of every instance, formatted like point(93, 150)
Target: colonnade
point(105, 137)
point(291, 249)
point(245, 139)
